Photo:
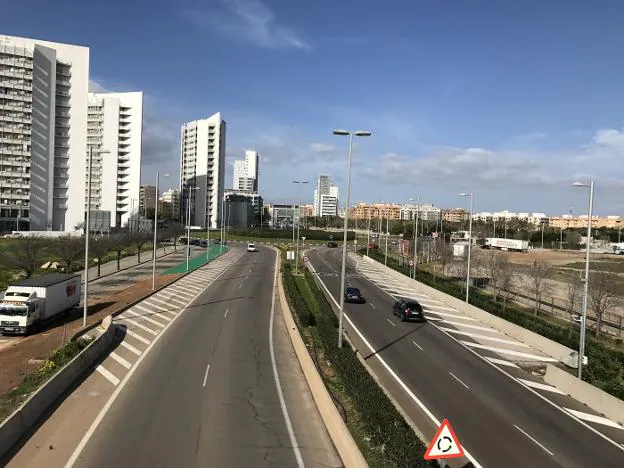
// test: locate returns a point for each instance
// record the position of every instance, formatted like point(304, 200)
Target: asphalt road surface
point(498, 421)
point(207, 394)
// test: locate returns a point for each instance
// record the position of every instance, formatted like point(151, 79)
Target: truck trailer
point(514, 245)
point(32, 301)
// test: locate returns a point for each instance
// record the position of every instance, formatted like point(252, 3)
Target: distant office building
point(455, 215)
point(325, 197)
point(169, 207)
point(147, 199)
point(375, 211)
point(254, 199)
point(246, 173)
point(239, 212)
point(115, 132)
point(426, 212)
point(43, 134)
point(202, 165)
point(282, 216)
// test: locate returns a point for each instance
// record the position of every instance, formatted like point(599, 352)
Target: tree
point(99, 248)
point(498, 270)
point(574, 294)
point(537, 281)
point(601, 295)
point(138, 240)
point(119, 243)
point(573, 239)
point(69, 249)
point(26, 254)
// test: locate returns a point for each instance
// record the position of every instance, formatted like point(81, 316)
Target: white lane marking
point(184, 293)
point(435, 319)
point(485, 337)
point(206, 376)
point(138, 325)
point(391, 322)
point(476, 327)
point(136, 336)
point(180, 302)
point(492, 362)
point(535, 441)
point(593, 418)
point(457, 378)
point(389, 369)
point(541, 386)
point(446, 314)
point(226, 311)
point(240, 285)
point(120, 360)
point(130, 313)
point(372, 305)
point(502, 362)
point(153, 307)
point(511, 352)
point(280, 393)
point(417, 345)
point(98, 420)
point(108, 375)
point(166, 304)
point(130, 348)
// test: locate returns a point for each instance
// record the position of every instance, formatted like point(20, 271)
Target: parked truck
point(32, 301)
point(514, 245)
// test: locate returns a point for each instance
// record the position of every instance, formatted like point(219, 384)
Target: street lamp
point(469, 244)
point(416, 233)
point(87, 230)
point(581, 356)
point(359, 133)
point(368, 231)
point(188, 222)
point(299, 182)
point(155, 229)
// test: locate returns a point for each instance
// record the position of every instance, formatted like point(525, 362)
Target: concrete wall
point(596, 399)
point(31, 411)
point(548, 347)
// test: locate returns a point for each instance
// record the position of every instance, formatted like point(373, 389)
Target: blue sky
point(511, 100)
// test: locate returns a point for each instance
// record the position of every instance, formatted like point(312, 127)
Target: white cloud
point(248, 20)
point(322, 147)
point(96, 87)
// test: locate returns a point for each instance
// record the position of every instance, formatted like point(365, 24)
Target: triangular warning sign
point(444, 444)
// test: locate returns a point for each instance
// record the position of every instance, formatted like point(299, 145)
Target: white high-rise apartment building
point(43, 134)
point(325, 197)
point(202, 165)
point(114, 125)
point(246, 173)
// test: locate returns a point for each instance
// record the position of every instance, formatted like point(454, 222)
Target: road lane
point(206, 394)
point(493, 408)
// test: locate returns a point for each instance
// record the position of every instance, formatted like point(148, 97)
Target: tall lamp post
point(368, 231)
point(469, 244)
point(87, 231)
point(350, 134)
point(299, 183)
point(416, 234)
point(155, 229)
point(188, 224)
point(581, 355)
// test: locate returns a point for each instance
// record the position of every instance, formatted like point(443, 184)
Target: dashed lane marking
point(120, 360)
point(130, 348)
point(108, 375)
point(138, 325)
point(136, 336)
point(131, 313)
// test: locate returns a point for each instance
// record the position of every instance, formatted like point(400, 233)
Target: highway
point(221, 388)
point(497, 420)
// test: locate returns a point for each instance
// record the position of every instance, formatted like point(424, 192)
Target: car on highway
point(353, 295)
point(408, 309)
point(252, 248)
point(332, 244)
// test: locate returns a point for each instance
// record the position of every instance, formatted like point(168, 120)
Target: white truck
point(515, 245)
point(30, 302)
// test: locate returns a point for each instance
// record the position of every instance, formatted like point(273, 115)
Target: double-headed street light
point(359, 133)
point(299, 183)
point(469, 244)
point(581, 355)
point(87, 231)
point(155, 229)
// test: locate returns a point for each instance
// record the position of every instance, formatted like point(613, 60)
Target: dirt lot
point(25, 354)
point(556, 257)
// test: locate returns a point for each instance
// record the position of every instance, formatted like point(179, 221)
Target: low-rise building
point(577, 222)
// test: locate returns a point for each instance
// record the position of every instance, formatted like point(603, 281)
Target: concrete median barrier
point(32, 410)
point(345, 445)
point(593, 397)
point(548, 347)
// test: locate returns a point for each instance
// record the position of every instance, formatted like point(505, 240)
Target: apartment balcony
point(63, 71)
point(21, 86)
point(61, 175)
point(16, 97)
point(16, 74)
point(66, 94)
point(61, 124)
point(61, 81)
point(64, 104)
point(63, 114)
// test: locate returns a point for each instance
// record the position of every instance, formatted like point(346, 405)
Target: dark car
point(332, 244)
point(353, 295)
point(204, 243)
point(408, 310)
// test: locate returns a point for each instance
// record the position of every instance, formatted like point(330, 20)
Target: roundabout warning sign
point(444, 444)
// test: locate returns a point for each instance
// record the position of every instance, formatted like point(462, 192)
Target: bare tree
point(574, 294)
point(601, 295)
point(497, 269)
point(537, 281)
point(99, 248)
point(69, 249)
point(139, 240)
point(507, 282)
point(119, 243)
point(25, 255)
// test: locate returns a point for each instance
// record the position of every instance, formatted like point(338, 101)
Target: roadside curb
point(93, 325)
point(30, 412)
point(342, 439)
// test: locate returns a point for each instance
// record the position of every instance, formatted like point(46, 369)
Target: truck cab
point(19, 311)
